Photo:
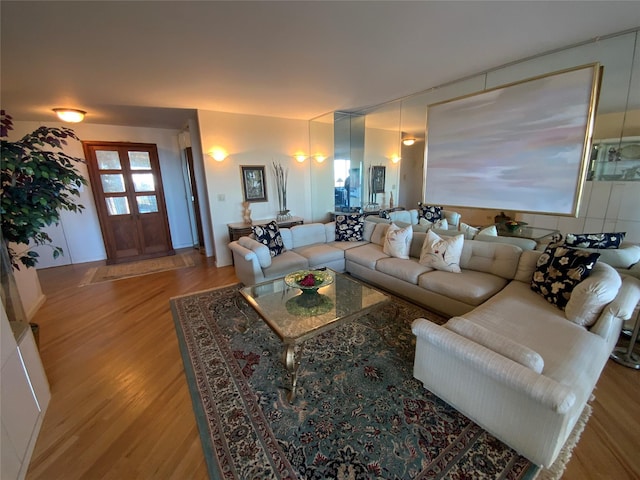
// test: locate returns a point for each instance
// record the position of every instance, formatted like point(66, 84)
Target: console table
point(241, 229)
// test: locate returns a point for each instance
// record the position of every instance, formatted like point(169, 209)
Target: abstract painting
point(522, 147)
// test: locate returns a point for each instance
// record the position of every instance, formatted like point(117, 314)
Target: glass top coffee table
point(295, 316)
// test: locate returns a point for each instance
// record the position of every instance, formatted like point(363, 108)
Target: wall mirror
point(348, 175)
point(321, 147)
point(382, 149)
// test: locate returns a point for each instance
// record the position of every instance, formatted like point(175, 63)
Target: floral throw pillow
point(442, 253)
point(431, 213)
point(269, 235)
point(559, 270)
point(349, 228)
point(595, 240)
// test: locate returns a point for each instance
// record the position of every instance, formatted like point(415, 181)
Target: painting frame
point(519, 147)
point(378, 178)
point(254, 185)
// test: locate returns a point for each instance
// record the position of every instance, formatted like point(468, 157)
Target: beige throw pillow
point(442, 254)
point(468, 231)
point(442, 223)
point(397, 241)
point(492, 230)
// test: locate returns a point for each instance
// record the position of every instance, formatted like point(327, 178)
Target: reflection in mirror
point(322, 180)
point(347, 166)
point(382, 149)
point(616, 136)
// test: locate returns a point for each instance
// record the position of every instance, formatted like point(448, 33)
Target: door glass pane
point(108, 160)
point(117, 205)
point(139, 161)
point(143, 182)
point(147, 203)
point(112, 183)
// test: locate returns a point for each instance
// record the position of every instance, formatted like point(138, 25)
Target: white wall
point(251, 140)
point(79, 234)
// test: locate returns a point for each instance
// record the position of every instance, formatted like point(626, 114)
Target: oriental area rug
point(109, 273)
point(359, 413)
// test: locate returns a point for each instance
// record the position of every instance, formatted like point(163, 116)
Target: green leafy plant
point(38, 181)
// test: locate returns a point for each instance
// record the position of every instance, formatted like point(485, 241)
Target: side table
point(625, 355)
point(241, 229)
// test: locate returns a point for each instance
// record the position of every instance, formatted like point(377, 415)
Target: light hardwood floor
point(120, 406)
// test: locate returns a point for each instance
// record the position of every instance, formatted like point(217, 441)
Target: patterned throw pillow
point(559, 270)
point(269, 235)
point(430, 213)
point(349, 228)
point(397, 241)
point(442, 254)
point(595, 240)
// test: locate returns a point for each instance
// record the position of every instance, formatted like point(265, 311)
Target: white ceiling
point(145, 63)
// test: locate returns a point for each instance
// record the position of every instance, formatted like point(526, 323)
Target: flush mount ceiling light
point(409, 141)
point(70, 115)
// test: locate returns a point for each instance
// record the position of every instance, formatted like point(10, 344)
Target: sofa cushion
point(496, 258)
point(308, 234)
point(320, 254)
point(379, 233)
point(442, 254)
point(400, 216)
point(350, 227)
point(498, 343)
point(397, 241)
point(624, 257)
point(558, 270)
point(468, 286)
point(261, 250)
point(589, 297)
point(330, 231)
point(366, 255)
point(402, 269)
point(269, 235)
point(595, 240)
point(285, 263)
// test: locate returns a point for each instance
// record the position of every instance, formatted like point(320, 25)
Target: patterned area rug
point(109, 273)
point(359, 413)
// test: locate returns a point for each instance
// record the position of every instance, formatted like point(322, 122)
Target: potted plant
point(38, 181)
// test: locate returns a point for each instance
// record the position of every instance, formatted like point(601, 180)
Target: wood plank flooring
point(120, 406)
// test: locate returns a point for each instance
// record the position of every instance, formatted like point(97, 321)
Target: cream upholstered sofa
point(509, 360)
point(311, 245)
point(517, 366)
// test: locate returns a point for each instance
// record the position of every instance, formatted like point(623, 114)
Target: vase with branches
point(281, 175)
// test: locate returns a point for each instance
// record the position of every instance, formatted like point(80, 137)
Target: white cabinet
point(24, 397)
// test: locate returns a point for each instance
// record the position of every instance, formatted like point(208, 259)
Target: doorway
point(127, 188)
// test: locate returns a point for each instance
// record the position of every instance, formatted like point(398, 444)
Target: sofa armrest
point(541, 389)
point(246, 264)
point(609, 323)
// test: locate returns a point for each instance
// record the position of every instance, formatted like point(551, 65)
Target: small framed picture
point(377, 179)
point(254, 185)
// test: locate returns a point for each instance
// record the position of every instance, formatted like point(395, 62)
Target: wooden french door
point(127, 187)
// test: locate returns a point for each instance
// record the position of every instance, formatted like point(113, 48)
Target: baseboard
point(36, 306)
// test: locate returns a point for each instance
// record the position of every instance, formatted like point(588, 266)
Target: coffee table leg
point(291, 362)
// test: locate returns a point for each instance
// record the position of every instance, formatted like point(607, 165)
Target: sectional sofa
point(511, 361)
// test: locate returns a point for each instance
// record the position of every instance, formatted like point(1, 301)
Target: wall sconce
point(395, 158)
point(218, 154)
point(300, 157)
point(70, 115)
point(319, 158)
point(409, 141)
